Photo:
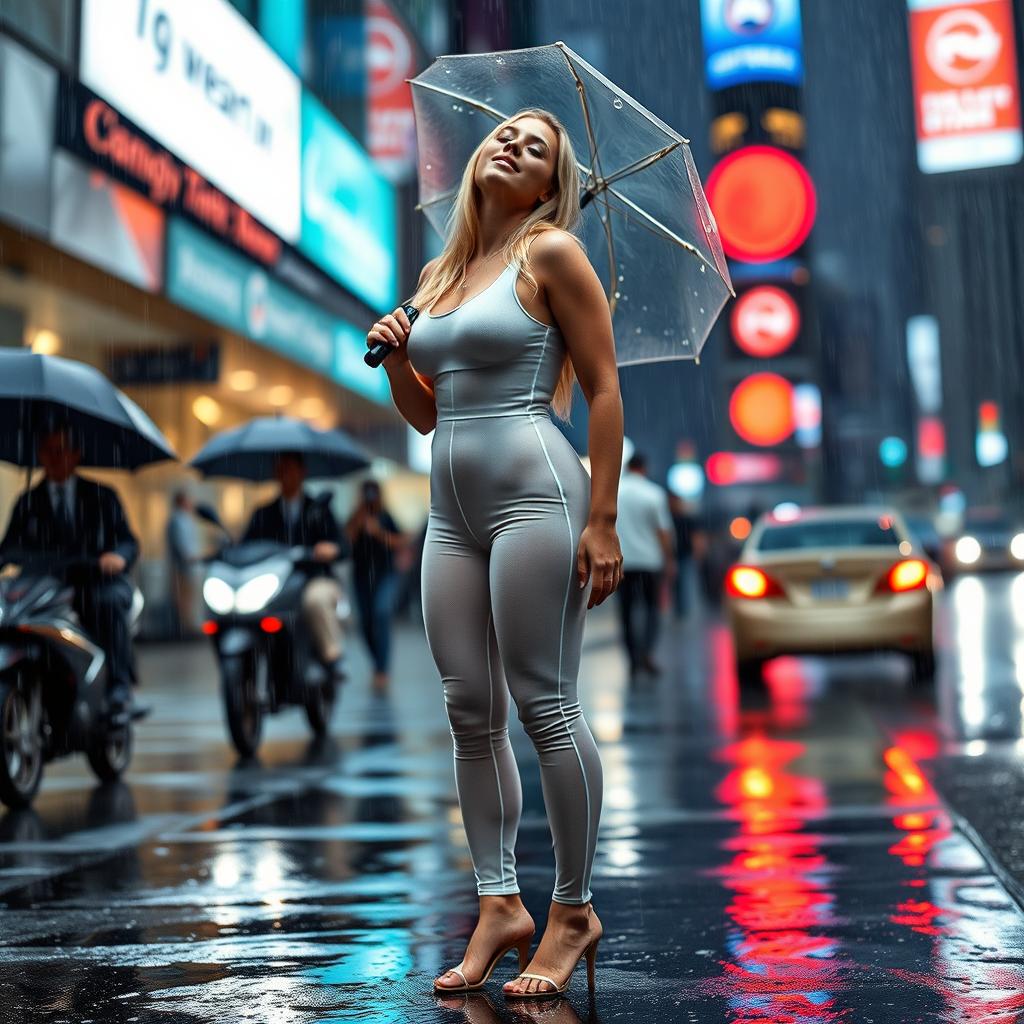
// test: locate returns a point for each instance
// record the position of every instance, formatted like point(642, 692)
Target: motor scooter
point(253, 595)
point(53, 679)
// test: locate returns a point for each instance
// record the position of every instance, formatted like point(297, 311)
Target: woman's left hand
point(599, 558)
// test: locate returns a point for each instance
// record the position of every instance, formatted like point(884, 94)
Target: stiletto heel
point(524, 954)
point(591, 956)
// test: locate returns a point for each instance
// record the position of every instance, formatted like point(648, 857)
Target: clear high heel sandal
point(589, 954)
point(522, 945)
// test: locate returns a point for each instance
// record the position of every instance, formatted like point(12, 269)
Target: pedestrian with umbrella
point(62, 415)
point(520, 543)
point(289, 451)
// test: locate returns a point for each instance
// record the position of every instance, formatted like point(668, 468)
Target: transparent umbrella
point(647, 225)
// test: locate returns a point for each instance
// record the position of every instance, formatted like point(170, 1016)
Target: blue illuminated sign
point(752, 41)
point(348, 210)
point(224, 287)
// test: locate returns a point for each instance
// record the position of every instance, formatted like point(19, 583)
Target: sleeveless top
point(488, 357)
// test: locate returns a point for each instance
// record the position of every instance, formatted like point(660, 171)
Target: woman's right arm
point(412, 394)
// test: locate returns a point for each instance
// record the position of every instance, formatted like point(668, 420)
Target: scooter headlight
point(257, 593)
point(218, 595)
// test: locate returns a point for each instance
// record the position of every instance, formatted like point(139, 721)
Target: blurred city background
point(211, 201)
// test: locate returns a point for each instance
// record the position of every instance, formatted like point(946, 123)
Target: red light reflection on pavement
point(784, 964)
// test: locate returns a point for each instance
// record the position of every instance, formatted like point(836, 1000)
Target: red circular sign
point(764, 203)
point(765, 321)
point(761, 409)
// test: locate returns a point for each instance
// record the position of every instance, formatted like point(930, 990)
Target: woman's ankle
point(503, 906)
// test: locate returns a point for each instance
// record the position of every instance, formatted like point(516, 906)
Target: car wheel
point(750, 673)
point(922, 668)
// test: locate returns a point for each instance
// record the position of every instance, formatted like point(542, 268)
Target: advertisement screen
point(966, 97)
point(28, 91)
point(106, 223)
point(751, 41)
point(348, 210)
point(228, 289)
point(198, 78)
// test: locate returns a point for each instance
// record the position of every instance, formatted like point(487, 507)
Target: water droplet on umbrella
point(702, 309)
point(666, 332)
point(447, 71)
point(621, 278)
point(617, 103)
point(644, 308)
point(639, 330)
point(500, 60)
point(428, 167)
point(702, 268)
point(618, 295)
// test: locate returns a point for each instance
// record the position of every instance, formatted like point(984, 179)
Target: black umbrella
point(248, 452)
point(40, 392)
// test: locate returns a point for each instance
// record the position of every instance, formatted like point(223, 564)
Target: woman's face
point(520, 160)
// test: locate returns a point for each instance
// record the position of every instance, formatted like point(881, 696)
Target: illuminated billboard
point(348, 210)
point(966, 96)
point(751, 41)
point(198, 78)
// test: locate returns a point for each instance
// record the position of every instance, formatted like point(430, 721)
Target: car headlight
point(218, 595)
point(256, 593)
point(1017, 547)
point(967, 550)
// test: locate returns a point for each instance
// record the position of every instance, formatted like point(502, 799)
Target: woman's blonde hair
point(561, 210)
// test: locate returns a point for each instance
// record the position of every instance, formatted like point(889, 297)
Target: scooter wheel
point(21, 748)
point(111, 753)
point(243, 708)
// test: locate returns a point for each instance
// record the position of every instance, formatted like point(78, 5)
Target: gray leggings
point(504, 614)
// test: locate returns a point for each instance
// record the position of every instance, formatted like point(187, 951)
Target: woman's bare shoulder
point(558, 254)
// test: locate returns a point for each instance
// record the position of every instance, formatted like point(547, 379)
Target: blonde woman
point(513, 313)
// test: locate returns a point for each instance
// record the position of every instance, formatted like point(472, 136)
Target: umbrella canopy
point(647, 225)
point(38, 392)
point(248, 452)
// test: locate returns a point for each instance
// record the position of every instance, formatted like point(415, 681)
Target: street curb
point(1014, 889)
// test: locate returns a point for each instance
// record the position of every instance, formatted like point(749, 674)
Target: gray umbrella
point(248, 452)
point(39, 392)
point(647, 225)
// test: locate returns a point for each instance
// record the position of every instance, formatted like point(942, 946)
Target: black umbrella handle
point(376, 355)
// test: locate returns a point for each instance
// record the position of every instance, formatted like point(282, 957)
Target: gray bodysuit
point(503, 609)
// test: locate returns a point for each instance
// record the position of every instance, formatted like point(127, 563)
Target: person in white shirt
point(646, 537)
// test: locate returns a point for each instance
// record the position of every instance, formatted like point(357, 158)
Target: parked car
point(831, 579)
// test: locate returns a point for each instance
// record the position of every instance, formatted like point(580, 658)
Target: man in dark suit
point(296, 518)
point(68, 517)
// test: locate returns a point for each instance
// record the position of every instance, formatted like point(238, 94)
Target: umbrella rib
point(581, 91)
point(640, 165)
point(477, 104)
point(656, 227)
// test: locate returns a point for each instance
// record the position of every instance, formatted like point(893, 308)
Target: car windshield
point(836, 533)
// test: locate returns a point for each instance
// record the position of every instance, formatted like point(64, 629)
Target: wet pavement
point(780, 857)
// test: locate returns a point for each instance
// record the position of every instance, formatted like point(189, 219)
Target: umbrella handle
point(375, 356)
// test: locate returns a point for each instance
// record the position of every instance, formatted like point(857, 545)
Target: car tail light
point(910, 574)
point(210, 627)
point(748, 581)
point(271, 624)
